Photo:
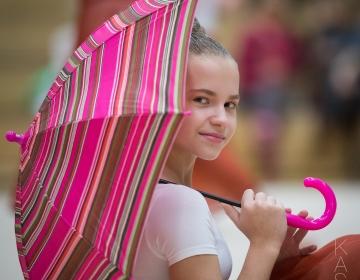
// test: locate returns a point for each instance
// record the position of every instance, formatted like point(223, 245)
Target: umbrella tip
point(11, 136)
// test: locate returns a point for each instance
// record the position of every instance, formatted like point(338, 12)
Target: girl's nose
point(219, 117)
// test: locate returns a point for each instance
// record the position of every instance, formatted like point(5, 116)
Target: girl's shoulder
point(178, 194)
point(173, 198)
point(176, 207)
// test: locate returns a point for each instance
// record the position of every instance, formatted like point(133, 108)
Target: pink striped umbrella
point(94, 152)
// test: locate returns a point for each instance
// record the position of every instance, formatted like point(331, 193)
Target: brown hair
point(201, 44)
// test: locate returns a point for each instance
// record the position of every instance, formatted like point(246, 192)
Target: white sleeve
point(180, 225)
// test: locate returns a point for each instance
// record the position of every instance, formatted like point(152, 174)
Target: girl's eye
point(201, 100)
point(231, 105)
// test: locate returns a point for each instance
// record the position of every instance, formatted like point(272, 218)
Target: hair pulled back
point(201, 44)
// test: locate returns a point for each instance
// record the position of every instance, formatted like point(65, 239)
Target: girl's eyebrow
point(211, 93)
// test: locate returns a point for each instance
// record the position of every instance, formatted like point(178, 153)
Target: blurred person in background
point(61, 46)
point(208, 13)
point(336, 58)
point(92, 13)
point(268, 58)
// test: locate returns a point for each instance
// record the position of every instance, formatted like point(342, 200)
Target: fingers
point(271, 199)
point(232, 213)
point(308, 250)
point(248, 195)
point(303, 213)
point(260, 196)
point(291, 231)
point(301, 233)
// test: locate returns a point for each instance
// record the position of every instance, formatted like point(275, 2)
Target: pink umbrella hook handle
point(326, 217)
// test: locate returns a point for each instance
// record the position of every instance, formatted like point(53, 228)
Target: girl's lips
point(213, 137)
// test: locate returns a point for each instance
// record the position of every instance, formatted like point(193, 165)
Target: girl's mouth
point(213, 137)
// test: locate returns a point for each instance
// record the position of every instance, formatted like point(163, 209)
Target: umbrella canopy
point(95, 150)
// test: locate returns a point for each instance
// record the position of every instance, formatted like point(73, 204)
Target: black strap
point(208, 195)
point(162, 181)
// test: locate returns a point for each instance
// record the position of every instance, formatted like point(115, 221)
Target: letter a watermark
point(343, 264)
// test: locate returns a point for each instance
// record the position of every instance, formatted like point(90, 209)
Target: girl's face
point(212, 95)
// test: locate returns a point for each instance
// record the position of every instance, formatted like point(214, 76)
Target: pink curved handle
point(330, 209)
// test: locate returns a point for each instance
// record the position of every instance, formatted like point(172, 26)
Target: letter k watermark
point(340, 247)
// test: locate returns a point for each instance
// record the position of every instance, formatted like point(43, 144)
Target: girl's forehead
point(212, 72)
point(206, 58)
point(211, 64)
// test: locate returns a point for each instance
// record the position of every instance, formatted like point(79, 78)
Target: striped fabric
point(96, 148)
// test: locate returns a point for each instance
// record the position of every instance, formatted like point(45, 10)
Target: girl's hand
point(290, 247)
point(262, 219)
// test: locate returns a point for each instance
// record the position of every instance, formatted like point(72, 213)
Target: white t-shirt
point(178, 225)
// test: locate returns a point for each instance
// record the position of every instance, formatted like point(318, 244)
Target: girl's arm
point(258, 265)
point(200, 267)
point(263, 222)
point(259, 262)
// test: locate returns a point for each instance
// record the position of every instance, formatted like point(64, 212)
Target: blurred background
point(300, 94)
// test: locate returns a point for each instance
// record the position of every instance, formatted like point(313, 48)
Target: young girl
point(180, 239)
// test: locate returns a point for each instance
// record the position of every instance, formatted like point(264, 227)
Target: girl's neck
point(179, 168)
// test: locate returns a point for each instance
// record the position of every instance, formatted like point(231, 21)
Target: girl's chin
point(210, 153)
point(209, 156)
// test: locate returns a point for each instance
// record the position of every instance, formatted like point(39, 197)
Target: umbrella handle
point(296, 221)
point(326, 217)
